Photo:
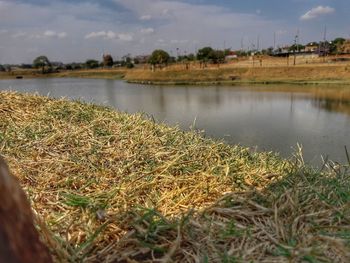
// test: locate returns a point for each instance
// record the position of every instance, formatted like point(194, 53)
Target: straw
point(107, 186)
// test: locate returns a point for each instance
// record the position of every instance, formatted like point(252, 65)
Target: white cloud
point(53, 34)
point(62, 35)
point(19, 34)
point(101, 34)
point(146, 17)
point(49, 33)
point(95, 34)
point(125, 37)
point(46, 34)
point(110, 35)
point(176, 41)
point(148, 30)
point(316, 12)
point(131, 26)
point(205, 23)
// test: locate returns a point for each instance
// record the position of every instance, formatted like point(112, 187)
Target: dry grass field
point(258, 70)
point(111, 187)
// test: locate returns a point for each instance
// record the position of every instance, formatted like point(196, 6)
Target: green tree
point(159, 57)
point(2, 68)
point(296, 47)
point(203, 53)
point(91, 63)
point(42, 62)
point(107, 60)
point(216, 56)
point(336, 45)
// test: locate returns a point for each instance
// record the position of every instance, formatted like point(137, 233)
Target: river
point(266, 118)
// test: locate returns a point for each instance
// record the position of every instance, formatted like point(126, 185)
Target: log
point(19, 239)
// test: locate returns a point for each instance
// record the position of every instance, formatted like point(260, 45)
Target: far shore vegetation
point(107, 186)
point(314, 62)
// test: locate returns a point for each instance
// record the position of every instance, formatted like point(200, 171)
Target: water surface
point(273, 118)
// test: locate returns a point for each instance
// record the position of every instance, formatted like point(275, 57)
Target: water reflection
point(332, 105)
point(272, 117)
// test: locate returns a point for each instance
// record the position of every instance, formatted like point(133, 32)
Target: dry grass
point(112, 187)
point(227, 75)
point(87, 73)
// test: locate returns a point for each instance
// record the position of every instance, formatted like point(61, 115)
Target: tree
point(127, 61)
point(208, 54)
point(336, 45)
point(42, 62)
point(296, 47)
point(159, 57)
point(216, 56)
point(107, 60)
point(203, 53)
point(2, 68)
point(91, 63)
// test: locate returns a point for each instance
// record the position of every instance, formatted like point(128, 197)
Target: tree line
point(160, 58)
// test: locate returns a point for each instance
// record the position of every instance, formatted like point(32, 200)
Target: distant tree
point(91, 63)
point(203, 53)
point(159, 57)
point(216, 56)
point(296, 47)
point(269, 51)
point(191, 57)
point(242, 53)
point(2, 68)
point(336, 45)
point(42, 62)
point(26, 66)
point(73, 66)
point(209, 54)
point(339, 40)
point(127, 61)
point(129, 65)
point(107, 60)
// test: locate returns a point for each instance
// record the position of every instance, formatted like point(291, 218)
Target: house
point(312, 47)
point(231, 55)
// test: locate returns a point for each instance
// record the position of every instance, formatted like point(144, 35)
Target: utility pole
point(324, 43)
point(294, 49)
point(274, 41)
point(298, 40)
point(258, 43)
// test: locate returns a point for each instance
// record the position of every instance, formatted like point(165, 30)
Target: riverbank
point(111, 186)
point(246, 75)
point(93, 74)
point(227, 74)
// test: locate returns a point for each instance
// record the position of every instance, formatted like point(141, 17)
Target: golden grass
point(111, 187)
point(227, 75)
point(87, 73)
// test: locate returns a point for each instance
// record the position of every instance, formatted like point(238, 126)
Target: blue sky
point(76, 30)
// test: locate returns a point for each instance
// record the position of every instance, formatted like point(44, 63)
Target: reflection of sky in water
point(271, 117)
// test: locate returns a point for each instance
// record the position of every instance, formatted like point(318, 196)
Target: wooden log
point(19, 240)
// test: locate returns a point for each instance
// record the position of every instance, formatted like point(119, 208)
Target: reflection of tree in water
point(332, 105)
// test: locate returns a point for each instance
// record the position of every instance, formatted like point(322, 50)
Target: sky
point(77, 30)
